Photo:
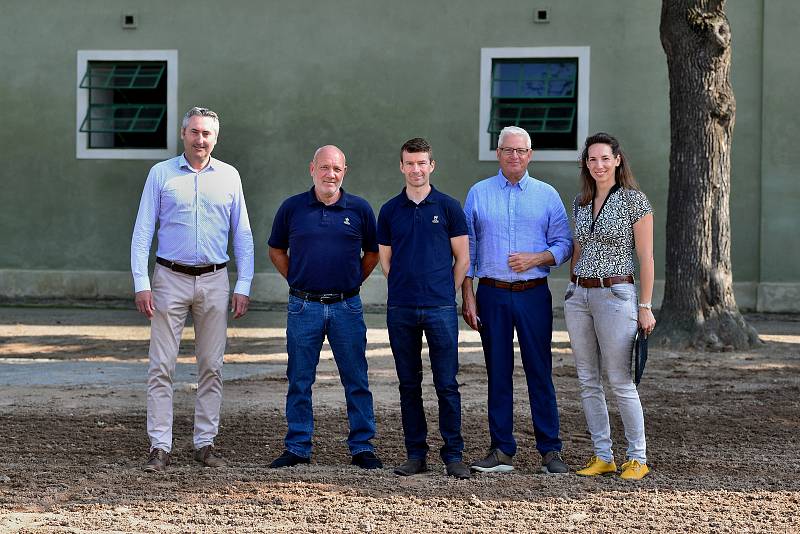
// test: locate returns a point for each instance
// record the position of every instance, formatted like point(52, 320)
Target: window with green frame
point(539, 95)
point(127, 104)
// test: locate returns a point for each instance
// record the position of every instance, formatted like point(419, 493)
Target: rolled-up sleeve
point(559, 235)
point(469, 207)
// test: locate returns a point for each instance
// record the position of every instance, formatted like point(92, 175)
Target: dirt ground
point(723, 440)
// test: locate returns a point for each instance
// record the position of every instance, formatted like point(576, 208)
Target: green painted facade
point(287, 77)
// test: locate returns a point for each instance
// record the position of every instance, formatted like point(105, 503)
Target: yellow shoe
point(633, 470)
point(596, 466)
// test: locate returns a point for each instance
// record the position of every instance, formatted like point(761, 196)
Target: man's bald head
point(328, 149)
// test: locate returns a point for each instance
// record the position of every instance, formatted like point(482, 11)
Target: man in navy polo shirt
point(420, 232)
point(316, 244)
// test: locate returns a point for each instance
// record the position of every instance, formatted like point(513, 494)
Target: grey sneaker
point(553, 464)
point(495, 462)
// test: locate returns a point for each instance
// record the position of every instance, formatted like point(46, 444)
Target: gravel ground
point(723, 441)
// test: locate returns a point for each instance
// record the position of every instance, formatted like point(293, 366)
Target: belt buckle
point(330, 298)
point(516, 285)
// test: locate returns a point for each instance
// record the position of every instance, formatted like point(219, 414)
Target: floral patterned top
point(607, 242)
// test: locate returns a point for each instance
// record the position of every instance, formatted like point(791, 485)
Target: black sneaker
point(367, 460)
point(495, 462)
point(288, 459)
point(553, 464)
point(458, 470)
point(412, 466)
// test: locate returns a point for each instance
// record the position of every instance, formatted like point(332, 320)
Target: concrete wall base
point(271, 288)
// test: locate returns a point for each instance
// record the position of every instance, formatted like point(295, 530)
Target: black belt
point(189, 269)
point(520, 285)
point(323, 298)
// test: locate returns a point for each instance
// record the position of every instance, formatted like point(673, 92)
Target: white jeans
point(174, 294)
point(602, 323)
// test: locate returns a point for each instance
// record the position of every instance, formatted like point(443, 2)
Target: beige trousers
point(174, 295)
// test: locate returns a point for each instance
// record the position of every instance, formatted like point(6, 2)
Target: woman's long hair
point(623, 176)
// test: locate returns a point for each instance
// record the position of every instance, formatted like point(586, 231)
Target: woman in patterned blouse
point(612, 219)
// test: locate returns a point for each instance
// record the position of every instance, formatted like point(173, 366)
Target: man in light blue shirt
point(518, 229)
point(196, 202)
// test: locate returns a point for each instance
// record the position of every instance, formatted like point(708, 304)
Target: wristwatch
point(646, 305)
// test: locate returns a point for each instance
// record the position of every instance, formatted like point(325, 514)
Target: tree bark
point(699, 309)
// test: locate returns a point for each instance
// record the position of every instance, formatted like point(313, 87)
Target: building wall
point(287, 77)
point(779, 241)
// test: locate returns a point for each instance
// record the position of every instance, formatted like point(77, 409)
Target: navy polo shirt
point(421, 271)
point(324, 242)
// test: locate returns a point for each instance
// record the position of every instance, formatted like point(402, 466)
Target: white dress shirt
point(195, 212)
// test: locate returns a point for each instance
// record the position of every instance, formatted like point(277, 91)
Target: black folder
point(639, 355)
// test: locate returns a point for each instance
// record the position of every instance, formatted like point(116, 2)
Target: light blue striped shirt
point(503, 218)
point(195, 212)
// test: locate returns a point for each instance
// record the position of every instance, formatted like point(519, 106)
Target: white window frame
point(582, 53)
point(82, 150)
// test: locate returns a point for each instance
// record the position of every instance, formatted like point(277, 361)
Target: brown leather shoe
point(209, 458)
point(157, 462)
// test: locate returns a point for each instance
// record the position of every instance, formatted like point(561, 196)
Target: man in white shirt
point(196, 202)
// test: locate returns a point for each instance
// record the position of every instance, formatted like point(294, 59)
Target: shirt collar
point(430, 199)
point(502, 181)
point(341, 203)
point(183, 163)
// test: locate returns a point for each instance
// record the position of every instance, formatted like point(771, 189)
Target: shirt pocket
point(217, 195)
point(178, 197)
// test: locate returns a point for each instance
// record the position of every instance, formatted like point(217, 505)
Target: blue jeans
point(530, 313)
point(440, 325)
point(306, 327)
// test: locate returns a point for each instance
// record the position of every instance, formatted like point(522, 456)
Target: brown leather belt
point(190, 269)
point(601, 282)
point(520, 285)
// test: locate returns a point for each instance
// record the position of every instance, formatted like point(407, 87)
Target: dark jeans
point(440, 325)
point(531, 313)
point(306, 327)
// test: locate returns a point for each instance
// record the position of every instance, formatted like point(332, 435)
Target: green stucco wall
point(287, 77)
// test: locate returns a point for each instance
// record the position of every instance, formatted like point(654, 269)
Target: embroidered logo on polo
point(347, 221)
point(435, 219)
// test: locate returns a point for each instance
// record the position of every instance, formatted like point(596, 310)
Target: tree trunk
point(699, 309)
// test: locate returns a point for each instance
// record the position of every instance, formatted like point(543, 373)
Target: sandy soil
point(723, 436)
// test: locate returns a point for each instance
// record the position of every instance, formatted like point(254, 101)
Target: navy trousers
point(529, 312)
point(440, 326)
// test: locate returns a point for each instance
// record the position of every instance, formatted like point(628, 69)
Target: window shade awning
point(533, 117)
point(125, 75)
point(123, 118)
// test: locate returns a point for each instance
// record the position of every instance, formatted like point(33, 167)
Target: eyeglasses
point(519, 151)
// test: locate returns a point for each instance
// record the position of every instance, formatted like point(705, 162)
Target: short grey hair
point(201, 112)
point(513, 130)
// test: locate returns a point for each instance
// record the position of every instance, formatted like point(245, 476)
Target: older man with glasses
point(518, 229)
